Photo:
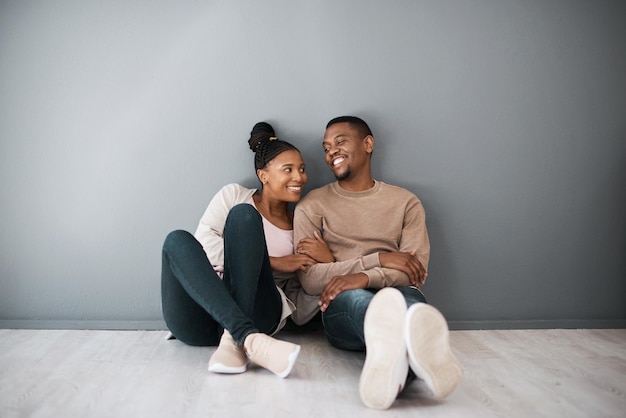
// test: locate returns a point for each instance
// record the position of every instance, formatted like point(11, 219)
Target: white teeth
point(295, 189)
point(338, 161)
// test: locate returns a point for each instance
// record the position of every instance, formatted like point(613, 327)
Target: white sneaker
point(229, 357)
point(277, 356)
point(386, 364)
point(428, 346)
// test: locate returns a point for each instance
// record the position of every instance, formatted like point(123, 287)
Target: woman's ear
point(262, 175)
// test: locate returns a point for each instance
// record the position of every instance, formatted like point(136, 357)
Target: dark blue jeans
point(345, 316)
point(197, 305)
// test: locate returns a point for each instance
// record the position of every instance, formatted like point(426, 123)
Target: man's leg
point(411, 295)
point(345, 316)
point(386, 364)
point(343, 320)
point(428, 346)
point(372, 321)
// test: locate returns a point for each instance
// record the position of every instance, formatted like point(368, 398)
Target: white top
point(279, 241)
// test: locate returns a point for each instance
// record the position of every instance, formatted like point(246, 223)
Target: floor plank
point(513, 373)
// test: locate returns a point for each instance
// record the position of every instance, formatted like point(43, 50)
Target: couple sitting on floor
point(357, 250)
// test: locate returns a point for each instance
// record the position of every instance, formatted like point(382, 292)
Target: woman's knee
point(244, 211)
point(177, 238)
point(243, 221)
point(190, 336)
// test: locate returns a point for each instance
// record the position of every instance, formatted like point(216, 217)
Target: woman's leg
point(195, 301)
point(185, 262)
point(247, 271)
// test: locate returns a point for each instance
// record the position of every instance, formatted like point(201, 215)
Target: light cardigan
point(210, 234)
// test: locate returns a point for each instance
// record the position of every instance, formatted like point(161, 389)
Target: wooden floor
point(519, 373)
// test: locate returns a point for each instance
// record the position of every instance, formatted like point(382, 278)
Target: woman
point(237, 274)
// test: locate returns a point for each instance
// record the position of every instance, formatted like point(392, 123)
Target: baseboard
point(157, 325)
point(539, 324)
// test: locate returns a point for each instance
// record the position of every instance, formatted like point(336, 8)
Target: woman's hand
point(316, 248)
point(291, 263)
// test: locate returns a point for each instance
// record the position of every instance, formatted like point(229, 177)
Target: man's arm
point(397, 268)
point(316, 277)
point(408, 265)
point(404, 267)
point(415, 234)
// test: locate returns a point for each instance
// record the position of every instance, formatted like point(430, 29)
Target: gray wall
point(119, 120)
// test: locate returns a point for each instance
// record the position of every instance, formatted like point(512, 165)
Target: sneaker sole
point(385, 356)
point(291, 362)
point(428, 346)
point(220, 368)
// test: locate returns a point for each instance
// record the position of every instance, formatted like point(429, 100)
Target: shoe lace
point(261, 347)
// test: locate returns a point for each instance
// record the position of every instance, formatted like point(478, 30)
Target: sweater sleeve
point(414, 238)
point(415, 233)
point(316, 277)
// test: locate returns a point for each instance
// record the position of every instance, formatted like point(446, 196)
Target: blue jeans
point(345, 315)
point(197, 305)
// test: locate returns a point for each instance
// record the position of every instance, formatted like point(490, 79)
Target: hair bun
point(261, 133)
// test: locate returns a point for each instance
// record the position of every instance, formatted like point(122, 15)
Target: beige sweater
point(357, 226)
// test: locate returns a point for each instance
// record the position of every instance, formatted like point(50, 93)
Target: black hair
point(355, 122)
point(265, 145)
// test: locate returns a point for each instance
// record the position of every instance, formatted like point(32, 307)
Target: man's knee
point(343, 320)
point(353, 301)
point(412, 295)
point(343, 332)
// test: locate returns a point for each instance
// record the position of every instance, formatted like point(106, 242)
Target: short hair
point(355, 122)
point(265, 145)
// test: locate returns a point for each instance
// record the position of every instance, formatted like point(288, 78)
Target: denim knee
point(344, 318)
point(412, 295)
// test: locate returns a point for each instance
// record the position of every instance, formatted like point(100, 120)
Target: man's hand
point(405, 262)
point(316, 248)
point(291, 263)
point(339, 284)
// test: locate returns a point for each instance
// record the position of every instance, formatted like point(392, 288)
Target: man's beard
point(344, 175)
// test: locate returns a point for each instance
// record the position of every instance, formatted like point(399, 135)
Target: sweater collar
point(365, 193)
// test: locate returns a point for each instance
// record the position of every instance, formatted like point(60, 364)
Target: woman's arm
point(316, 248)
point(211, 226)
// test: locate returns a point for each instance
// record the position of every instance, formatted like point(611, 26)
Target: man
point(369, 297)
